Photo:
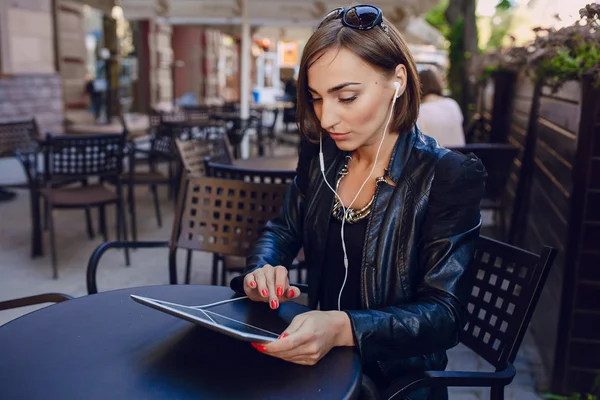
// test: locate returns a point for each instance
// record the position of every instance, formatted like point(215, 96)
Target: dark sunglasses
point(361, 16)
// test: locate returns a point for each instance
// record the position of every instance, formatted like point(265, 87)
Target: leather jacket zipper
point(364, 277)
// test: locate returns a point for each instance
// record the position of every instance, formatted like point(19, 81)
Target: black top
point(333, 266)
point(107, 346)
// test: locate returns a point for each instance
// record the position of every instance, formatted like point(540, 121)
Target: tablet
point(239, 318)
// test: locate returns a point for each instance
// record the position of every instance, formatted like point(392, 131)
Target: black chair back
point(497, 159)
point(506, 284)
point(81, 156)
point(18, 137)
point(248, 175)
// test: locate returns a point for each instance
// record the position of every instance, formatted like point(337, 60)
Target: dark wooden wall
point(577, 359)
point(549, 203)
point(562, 211)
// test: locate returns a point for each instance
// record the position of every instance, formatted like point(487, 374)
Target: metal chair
point(498, 159)
point(80, 158)
point(194, 152)
point(162, 149)
point(33, 300)
point(506, 285)
point(214, 215)
point(20, 140)
point(223, 171)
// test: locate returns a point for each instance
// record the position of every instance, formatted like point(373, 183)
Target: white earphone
point(397, 86)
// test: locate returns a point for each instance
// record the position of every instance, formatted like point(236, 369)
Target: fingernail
point(292, 294)
point(252, 284)
point(273, 304)
point(283, 335)
point(259, 347)
point(265, 292)
point(279, 291)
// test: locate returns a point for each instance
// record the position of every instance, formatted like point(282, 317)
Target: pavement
point(24, 276)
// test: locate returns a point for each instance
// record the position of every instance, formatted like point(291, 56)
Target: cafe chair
point(498, 159)
point(33, 300)
point(217, 170)
point(506, 285)
point(213, 215)
point(193, 152)
point(95, 161)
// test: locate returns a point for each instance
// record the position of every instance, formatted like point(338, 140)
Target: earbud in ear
point(397, 85)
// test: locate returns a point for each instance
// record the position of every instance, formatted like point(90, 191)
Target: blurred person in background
point(439, 117)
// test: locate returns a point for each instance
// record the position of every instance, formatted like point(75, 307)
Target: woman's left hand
point(310, 336)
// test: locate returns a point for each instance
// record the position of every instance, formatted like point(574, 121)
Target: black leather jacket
point(420, 238)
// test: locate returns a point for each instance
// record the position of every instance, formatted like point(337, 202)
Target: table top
point(278, 163)
point(107, 346)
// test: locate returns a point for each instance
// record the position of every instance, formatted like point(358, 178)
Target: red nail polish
point(252, 284)
point(273, 304)
point(283, 335)
point(265, 292)
point(259, 347)
point(292, 294)
point(280, 291)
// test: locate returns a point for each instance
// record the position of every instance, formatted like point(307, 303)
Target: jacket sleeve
point(281, 238)
point(432, 319)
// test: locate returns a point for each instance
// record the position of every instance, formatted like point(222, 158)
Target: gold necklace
point(351, 215)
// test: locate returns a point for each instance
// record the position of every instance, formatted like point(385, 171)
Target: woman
point(406, 211)
point(439, 117)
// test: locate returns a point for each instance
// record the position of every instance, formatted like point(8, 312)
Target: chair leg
point(223, 272)
point(156, 205)
point(131, 205)
point(88, 223)
point(102, 222)
point(188, 267)
point(215, 269)
point(52, 241)
point(37, 246)
point(497, 393)
point(122, 228)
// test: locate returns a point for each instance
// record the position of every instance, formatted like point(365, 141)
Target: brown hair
point(382, 50)
point(430, 83)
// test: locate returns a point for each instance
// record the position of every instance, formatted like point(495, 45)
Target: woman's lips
point(339, 136)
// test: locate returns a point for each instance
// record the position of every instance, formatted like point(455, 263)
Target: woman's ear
point(400, 76)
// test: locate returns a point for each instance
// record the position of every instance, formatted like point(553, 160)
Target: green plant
point(592, 395)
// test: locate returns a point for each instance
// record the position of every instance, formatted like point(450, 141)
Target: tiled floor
point(22, 276)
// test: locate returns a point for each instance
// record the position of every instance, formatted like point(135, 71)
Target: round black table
point(106, 346)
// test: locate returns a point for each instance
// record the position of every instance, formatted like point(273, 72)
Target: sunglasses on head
point(361, 16)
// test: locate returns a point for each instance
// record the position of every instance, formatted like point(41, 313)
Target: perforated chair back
point(225, 216)
point(74, 156)
point(506, 284)
point(193, 153)
point(248, 175)
point(20, 136)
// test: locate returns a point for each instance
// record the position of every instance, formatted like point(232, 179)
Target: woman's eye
point(314, 100)
point(348, 99)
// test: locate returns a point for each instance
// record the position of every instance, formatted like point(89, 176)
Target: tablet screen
point(236, 320)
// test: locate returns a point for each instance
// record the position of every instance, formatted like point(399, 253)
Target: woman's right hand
point(270, 285)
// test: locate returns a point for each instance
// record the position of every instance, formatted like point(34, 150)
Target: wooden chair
point(214, 215)
point(498, 159)
point(506, 285)
point(223, 171)
point(194, 152)
point(81, 158)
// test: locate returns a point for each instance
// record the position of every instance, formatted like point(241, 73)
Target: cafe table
point(106, 346)
point(276, 163)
